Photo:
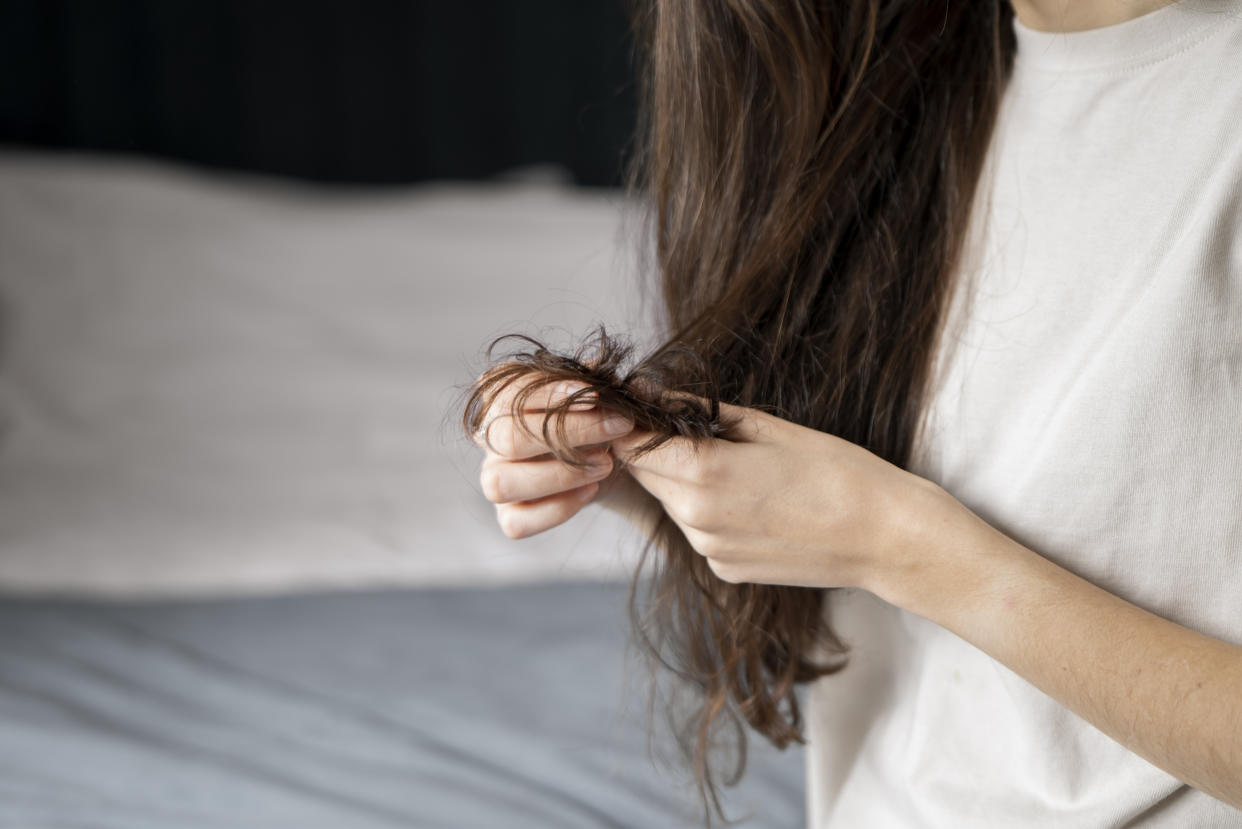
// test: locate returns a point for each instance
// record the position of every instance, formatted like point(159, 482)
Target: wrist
point(949, 564)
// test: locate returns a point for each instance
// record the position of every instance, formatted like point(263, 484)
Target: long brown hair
point(809, 167)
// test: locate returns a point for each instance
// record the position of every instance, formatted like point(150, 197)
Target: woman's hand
point(532, 490)
point(778, 503)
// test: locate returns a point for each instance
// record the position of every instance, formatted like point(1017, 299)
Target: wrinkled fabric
point(1089, 385)
point(436, 709)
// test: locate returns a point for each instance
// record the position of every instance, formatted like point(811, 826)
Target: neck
point(1080, 15)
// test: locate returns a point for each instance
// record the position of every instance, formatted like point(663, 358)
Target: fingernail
point(617, 425)
point(586, 401)
point(568, 388)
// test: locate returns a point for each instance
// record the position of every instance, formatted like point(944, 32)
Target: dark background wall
point(349, 91)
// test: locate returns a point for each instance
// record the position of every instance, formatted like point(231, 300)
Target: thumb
point(742, 425)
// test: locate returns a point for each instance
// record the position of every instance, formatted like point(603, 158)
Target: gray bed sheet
point(500, 707)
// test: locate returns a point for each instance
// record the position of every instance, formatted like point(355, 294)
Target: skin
point(1079, 15)
point(776, 503)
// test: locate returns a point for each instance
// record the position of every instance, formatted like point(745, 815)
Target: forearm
point(1169, 694)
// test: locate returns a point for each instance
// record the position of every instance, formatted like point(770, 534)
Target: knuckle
point(698, 512)
point(511, 523)
point(493, 484)
point(503, 439)
point(725, 572)
point(710, 546)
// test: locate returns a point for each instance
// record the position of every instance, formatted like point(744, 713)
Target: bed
point(246, 577)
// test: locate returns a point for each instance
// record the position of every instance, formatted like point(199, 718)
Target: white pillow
point(218, 384)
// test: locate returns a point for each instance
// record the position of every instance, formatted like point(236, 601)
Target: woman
point(966, 282)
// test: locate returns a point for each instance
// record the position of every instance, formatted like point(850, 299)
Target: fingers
point(533, 495)
point(745, 425)
point(526, 518)
point(511, 440)
point(544, 396)
point(506, 482)
point(681, 459)
point(662, 487)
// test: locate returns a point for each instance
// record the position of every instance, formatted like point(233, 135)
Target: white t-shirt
point(1090, 406)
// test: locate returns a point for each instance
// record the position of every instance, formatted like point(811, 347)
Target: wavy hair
point(808, 167)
